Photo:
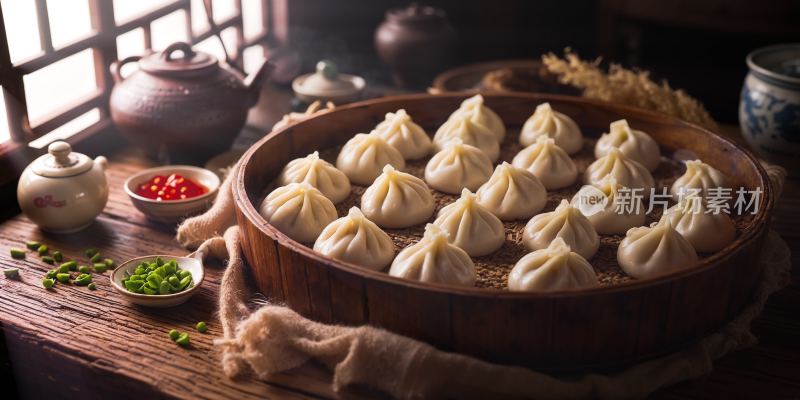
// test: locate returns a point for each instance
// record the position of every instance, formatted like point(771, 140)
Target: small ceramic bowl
point(173, 210)
point(192, 263)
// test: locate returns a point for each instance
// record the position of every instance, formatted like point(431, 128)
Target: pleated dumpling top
point(482, 115)
point(634, 144)
point(356, 240)
point(320, 174)
point(512, 193)
point(565, 222)
point(407, 137)
point(553, 268)
point(363, 157)
point(458, 166)
point(699, 179)
point(548, 162)
point(627, 172)
point(707, 229)
point(299, 211)
point(472, 227)
point(435, 260)
point(547, 122)
point(618, 215)
point(472, 133)
point(397, 200)
point(647, 252)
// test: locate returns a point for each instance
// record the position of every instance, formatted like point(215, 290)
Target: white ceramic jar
point(62, 191)
point(769, 107)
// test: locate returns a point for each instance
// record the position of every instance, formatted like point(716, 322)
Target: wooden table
point(74, 343)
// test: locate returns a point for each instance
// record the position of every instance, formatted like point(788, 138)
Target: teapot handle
point(116, 66)
point(184, 47)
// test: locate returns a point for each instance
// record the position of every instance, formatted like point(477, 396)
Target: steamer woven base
point(494, 268)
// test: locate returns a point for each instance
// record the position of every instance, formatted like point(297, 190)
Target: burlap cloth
point(274, 338)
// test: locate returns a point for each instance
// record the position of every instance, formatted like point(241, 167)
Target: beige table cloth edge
point(274, 338)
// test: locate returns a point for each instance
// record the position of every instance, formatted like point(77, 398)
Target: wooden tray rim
point(440, 82)
point(248, 209)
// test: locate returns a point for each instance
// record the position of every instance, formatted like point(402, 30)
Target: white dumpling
point(320, 174)
point(458, 166)
point(397, 200)
point(356, 240)
point(293, 117)
point(482, 115)
point(707, 232)
point(553, 268)
point(472, 227)
point(299, 211)
point(548, 162)
point(565, 222)
point(634, 144)
point(407, 137)
point(436, 261)
point(471, 133)
point(647, 252)
point(547, 122)
point(512, 193)
point(363, 157)
point(611, 220)
point(702, 176)
point(627, 172)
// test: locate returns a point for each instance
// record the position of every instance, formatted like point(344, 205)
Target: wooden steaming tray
point(567, 330)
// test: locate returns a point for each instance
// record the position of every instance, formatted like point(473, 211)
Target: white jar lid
point(326, 81)
point(61, 162)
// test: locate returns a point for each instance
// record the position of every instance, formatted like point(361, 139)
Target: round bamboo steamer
point(560, 331)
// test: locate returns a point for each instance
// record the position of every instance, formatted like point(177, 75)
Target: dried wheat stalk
point(631, 87)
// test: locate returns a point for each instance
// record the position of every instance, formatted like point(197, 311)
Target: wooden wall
point(343, 30)
point(699, 45)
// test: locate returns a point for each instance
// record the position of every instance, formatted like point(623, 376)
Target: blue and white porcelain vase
point(769, 107)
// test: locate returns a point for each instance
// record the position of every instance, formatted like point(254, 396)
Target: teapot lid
point(416, 14)
point(61, 162)
point(193, 63)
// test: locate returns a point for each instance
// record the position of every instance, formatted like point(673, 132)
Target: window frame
point(103, 41)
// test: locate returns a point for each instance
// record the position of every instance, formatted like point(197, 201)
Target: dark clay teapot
point(185, 104)
point(416, 43)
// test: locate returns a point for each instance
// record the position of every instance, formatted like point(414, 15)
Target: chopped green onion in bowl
point(157, 278)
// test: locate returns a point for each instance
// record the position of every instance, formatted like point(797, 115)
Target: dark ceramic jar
point(187, 103)
point(417, 43)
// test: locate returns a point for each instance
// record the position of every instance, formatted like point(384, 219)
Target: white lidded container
point(62, 191)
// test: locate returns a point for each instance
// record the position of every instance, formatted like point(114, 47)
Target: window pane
point(252, 58)
point(211, 46)
point(59, 84)
point(252, 18)
point(229, 37)
point(126, 10)
point(68, 129)
point(22, 29)
point(5, 132)
point(223, 10)
point(199, 19)
point(130, 43)
point(167, 30)
point(69, 21)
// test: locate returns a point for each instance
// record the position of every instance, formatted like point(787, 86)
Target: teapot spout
point(254, 81)
point(102, 162)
